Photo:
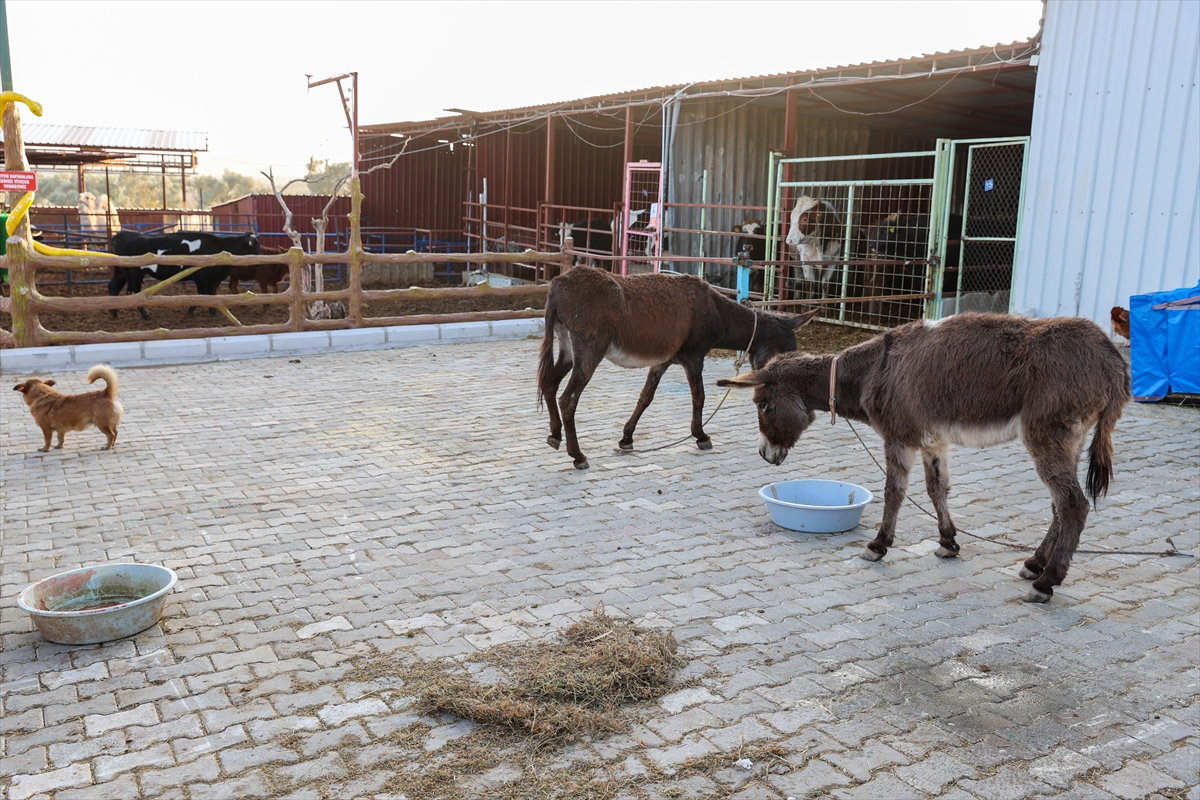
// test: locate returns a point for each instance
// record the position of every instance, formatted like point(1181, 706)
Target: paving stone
point(314, 532)
point(932, 773)
point(155, 782)
point(26, 786)
point(1009, 783)
point(121, 788)
point(1061, 767)
point(252, 784)
point(815, 776)
point(99, 724)
point(1137, 780)
point(885, 785)
point(107, 767)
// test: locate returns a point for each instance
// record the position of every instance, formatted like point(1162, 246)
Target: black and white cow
point(182, 243)
point(593, 236)
point(752, 242)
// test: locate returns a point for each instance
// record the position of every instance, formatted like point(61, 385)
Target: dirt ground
point(813, 338)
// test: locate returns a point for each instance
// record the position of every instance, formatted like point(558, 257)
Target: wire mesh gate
point(641, 235)
point(873, 238)
point(980, 248)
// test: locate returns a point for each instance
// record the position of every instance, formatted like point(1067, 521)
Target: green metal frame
point(972, 145)
point(933, 276)
point(942, 190)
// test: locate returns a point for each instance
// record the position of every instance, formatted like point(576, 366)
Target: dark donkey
point(650, 320)
point(975, 380)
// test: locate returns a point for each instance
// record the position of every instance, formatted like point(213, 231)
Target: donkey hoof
point(1035, 596)
point(1029, 574)
point(945, 552)
point(582, 464)
point(626, 446)
point(705, 445)
point(870, 555)
point(553, 441)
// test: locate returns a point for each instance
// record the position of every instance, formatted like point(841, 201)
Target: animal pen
point(657, 179)
point(25, 259)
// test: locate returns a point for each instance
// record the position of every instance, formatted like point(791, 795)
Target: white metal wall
point(1113, 193)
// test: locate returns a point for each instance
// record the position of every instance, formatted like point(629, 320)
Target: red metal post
point(548, 194)
point(628, 139)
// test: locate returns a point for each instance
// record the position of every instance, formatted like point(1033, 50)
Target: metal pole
point(5, 61)
point(354, 164)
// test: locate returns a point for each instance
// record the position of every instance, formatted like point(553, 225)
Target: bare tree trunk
point(312, 276)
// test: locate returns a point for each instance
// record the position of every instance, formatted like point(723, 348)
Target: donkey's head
point(776, 333)
point(779, 391)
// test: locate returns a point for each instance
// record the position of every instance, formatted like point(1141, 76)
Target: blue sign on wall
point(989, 184)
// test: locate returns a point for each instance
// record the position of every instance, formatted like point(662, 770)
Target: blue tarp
point(1164, 344)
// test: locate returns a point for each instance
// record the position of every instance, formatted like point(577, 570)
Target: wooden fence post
point(20, 281)
point(354, 310)
point(296, 309)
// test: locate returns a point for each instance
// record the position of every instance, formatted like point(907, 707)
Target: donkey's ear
point(48, 383)
point(747, 381)
point(802, 319)
point(20, 387)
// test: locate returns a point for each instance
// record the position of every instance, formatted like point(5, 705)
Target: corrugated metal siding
point(423, 189)
point(733, 141)
point(1113, 191)
point(38, 133)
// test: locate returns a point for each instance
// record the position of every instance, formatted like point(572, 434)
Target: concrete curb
point(26, 360)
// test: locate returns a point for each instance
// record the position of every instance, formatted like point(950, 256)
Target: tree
point(144, 189)
point(324, 176)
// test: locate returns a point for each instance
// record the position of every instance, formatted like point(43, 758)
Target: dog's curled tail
point(110, 379)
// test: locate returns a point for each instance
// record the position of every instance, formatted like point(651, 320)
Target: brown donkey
point(650, 320)
point(975, 380)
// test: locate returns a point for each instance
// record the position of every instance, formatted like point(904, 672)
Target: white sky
point(236, 70)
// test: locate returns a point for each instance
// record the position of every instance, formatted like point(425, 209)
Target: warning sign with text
point(18, 181)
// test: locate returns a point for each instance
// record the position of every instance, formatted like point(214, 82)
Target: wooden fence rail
point(27, 303)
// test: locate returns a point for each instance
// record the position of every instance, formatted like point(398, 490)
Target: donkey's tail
point(110, 379)
point(1100, 454)
point(546, 358)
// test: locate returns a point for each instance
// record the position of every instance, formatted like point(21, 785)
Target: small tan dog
point(54, 411)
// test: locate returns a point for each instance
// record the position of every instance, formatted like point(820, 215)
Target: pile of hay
point(558, 690)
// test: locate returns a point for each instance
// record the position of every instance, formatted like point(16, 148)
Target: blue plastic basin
point(815, 506)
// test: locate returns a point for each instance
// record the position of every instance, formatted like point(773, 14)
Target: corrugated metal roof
point(1112, 207)
point(42, 135)
point(916, 66)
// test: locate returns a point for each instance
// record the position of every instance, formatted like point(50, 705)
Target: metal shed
point(572, 153)
point(1114, 203)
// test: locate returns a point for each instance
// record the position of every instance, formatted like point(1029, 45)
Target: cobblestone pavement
point(405, 502)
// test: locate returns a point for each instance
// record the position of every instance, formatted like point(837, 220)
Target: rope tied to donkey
point(1161, 553)
point(737, 369)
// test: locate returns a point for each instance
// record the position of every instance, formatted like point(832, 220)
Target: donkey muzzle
point(770, 453)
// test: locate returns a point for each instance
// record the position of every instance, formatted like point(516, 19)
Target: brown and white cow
point(815, 236)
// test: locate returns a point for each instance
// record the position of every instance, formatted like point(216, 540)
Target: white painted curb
point(26, 360)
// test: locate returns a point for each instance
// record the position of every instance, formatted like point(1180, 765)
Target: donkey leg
point(1035, 565)
point(1056, 456)
point(585, 365)
point(644, 400)
point(549, 390)
point(937, 482)
point(695, 375)
point(899, 464)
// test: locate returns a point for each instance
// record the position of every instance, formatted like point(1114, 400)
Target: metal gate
point(980, 246)
point(877, 238)
point(642, 217)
